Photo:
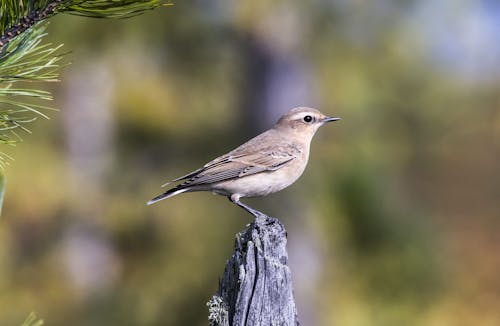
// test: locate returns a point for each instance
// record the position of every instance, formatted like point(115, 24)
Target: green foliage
point(25, 59)
point(109, 8)
point(23, 56)
point(14, 13)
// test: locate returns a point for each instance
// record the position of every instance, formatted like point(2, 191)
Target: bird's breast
point(264, 183)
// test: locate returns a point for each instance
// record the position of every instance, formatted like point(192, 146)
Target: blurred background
point(395, 221)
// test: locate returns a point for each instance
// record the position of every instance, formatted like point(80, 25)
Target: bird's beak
point(329, 119)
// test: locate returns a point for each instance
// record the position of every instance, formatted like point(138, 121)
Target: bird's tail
point(167, 194)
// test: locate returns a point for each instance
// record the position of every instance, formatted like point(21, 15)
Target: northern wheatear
point(265, 164)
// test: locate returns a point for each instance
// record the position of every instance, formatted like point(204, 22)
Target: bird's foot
point(259, 216)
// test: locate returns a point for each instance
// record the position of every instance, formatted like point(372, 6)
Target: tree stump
point(256, 288)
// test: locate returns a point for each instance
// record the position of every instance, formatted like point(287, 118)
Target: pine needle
point(25, 59)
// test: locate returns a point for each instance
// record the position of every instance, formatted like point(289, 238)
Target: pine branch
point(23, 57)
point(111, 8)
point(17, 16)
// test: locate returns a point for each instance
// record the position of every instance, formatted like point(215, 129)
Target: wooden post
point(256, 288)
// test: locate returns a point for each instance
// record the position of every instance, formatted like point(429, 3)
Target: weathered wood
point(256, 289)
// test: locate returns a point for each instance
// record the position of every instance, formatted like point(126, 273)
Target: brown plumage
point(265, 164)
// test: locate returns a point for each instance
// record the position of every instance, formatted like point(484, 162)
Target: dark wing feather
point(218, 161)
point(230, 167)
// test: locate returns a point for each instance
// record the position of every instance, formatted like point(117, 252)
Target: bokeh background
point(395, 221)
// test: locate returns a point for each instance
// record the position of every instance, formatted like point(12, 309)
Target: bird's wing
point(212, 164)
point(236, 166)
point(218, 161)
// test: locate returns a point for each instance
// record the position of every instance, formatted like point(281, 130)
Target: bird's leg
point(236, 199)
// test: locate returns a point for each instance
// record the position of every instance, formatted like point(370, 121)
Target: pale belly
point(260, 184)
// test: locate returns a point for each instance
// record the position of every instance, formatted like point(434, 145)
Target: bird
point(265, 164)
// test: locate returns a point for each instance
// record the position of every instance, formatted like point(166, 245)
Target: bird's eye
point(308, 118)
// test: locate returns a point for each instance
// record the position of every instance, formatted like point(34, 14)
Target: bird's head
point(303, 120)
